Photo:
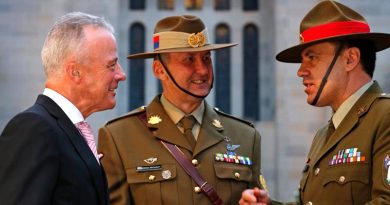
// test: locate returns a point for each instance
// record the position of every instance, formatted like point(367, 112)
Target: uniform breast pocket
point(148, 185)
point(347, 183)
point(232, 179)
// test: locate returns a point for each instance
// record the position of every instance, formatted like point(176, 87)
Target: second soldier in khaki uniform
point(349, 159)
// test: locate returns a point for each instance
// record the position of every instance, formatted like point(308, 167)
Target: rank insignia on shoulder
point(345, 156)
point(236, 159)
point(386, 172)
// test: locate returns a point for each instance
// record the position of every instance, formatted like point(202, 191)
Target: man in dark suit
point(349, 159)
point(48, 155)
point(224, 150)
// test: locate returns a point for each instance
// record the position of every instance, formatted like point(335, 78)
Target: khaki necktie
point(188, 122)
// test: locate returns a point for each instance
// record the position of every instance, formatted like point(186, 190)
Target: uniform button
point(342, 179)
point(194, 162)
point(317, 171)
point(197, 189)
point(152, 177)
point(309, 203)
point(237, 175)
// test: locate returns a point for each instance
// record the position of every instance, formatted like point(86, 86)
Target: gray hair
point(67, 37)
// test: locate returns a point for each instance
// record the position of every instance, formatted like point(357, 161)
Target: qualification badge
point(230, 156)
point(387, 169)
point(154, 119)
point(150, 160)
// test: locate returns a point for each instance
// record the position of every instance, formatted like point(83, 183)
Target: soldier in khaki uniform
point(349, 159)
point(223, 149)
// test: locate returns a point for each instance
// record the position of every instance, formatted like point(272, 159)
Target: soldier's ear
point(352, 58)
point(158, 70)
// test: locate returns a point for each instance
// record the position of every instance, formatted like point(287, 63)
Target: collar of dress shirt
point(346, 106)
point(69, 109)
point(176, 114)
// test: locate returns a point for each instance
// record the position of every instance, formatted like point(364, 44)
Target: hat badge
point(154, 119)
point(196, 40)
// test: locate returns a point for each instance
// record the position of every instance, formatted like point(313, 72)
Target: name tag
point(149, 168)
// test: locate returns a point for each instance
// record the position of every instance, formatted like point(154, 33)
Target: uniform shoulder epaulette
point(384, 95)
point(236, 118)
point(136, 111)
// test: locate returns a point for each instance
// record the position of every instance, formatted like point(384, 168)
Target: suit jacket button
point(197, 189)
point(309, 203)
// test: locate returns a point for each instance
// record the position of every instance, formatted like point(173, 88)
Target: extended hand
point(255, 196)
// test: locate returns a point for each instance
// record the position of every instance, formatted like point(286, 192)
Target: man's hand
point(255, 196)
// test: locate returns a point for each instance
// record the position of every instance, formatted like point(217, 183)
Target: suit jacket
point(45, 160)
point(350, 168)
point(141, 171)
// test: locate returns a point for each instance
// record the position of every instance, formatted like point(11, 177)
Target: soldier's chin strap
point(177, 85)
point(325, 78)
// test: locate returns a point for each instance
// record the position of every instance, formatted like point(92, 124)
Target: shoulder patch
point(136, 111)
point(236, 118)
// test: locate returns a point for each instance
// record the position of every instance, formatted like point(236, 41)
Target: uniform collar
point(346, 106)
point(176, 114)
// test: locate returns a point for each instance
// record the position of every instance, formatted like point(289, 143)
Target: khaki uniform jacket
point(366, 131)
point(141, 171)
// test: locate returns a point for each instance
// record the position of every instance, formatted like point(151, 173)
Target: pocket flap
point(237, 172)
point(343, 174)
point(167, 172)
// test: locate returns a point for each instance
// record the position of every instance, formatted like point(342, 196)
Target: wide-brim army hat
point(332, 21)
point(184, 33)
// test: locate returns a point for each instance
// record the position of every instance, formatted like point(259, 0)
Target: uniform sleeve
point(256, 160)
point(381, 160)
point(113, 166)
point(28, 161)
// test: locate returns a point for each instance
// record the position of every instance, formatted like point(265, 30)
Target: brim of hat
point(178, 50)
point(293, 54)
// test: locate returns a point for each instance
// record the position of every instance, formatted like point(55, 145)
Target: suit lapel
point(209, 134)
point(351, 119)
point(78, 142)
point(163, 127)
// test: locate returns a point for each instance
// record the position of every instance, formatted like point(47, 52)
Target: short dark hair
point(367, 54)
